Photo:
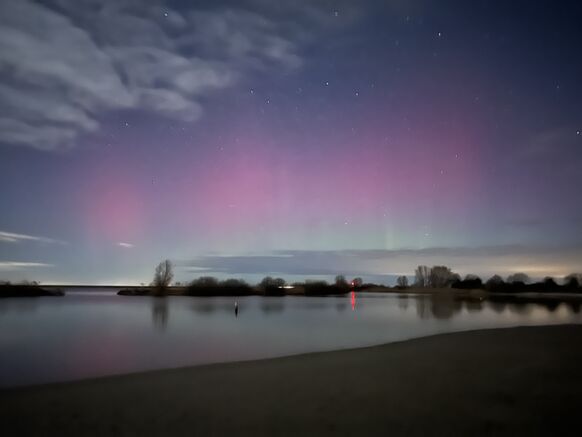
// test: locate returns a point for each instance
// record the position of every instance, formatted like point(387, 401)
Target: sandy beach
point(517, 381)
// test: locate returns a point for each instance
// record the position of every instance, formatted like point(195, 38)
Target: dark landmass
point(13, 290)
point(186, 291)
point(519, 381)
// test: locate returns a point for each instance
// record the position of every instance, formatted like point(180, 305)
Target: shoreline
point(520, 380)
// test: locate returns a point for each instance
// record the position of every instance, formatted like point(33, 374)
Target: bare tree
point(442, 276)
point(402, 281)
point(422, 276)
point(341, 282)
point(357, 282)
point(163, 276)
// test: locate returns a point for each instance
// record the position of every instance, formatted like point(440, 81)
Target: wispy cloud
point(125, 245)
point(65, 62)
point(18, 265)
point(11, 237)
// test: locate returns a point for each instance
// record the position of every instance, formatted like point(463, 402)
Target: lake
point(96, 333)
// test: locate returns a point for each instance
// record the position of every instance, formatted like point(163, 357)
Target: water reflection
point(273, 305)
point(574, 306)
point(403, 301)
point(204, 330)
point(21, 305)
point(437, 306)
point(160, 312)
point(552, 305)
point(209, 305)
point(474, 305)
point(446, 306)
point(341, 306)
point(520, 308)
point(525, 305)
point(497, 306)
point(204, 306)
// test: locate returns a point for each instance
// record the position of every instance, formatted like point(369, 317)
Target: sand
point(518, 381)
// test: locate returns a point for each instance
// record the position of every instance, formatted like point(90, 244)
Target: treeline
point(268, 286)
point(444, 277)
point(210, 286)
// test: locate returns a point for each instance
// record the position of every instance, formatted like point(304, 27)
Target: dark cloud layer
point(482, 260)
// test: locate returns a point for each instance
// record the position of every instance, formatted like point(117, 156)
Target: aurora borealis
point(258, 137)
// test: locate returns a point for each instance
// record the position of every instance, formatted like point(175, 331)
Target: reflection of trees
point(445, 307)
point(204, 307)
point(422, 307)
point(574, 306)
point(273, 306)
point(497, 305)
point(474, 305)
point(160, 312)
point(551, 305)
point(341, 306)
point(208, 305)
point(402, 301)
point(520, 308)
point(437, 306)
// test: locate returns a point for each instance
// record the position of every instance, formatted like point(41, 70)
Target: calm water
point(86, 334)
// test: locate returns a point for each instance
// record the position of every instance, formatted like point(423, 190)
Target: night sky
point(298, 139)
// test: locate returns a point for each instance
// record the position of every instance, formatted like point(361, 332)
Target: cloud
point(125, 245)
point(17, 265)
point(485, 260)
point(65, 63)
point(11, 237)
